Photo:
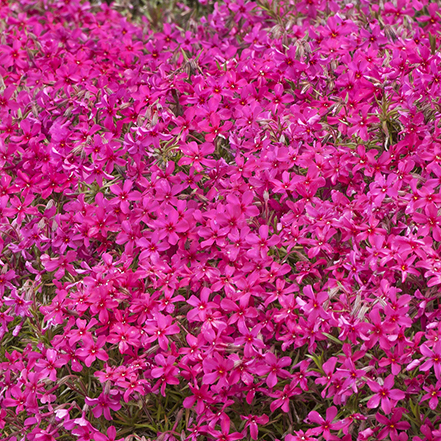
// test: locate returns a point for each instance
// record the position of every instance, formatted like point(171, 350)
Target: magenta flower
point(385, 394)
point(433, 395)
point(102, 405)
point(274, 368)
point(111, 435)
point(261, 244)
point(124, 195)
point(201, 305)
point(20, 303)
point(392, 425)
point(252, 422)
point(197, 155)
point(283, 396)
point(133, 384)
point(60, 264)
point(249, 339)
point(14, 56)
point(49, 364)
point(15, 398)
point(201, 396)
point(217, 369)
point(300, 435)
point(434, 359)
point(159, 329)
point(224, 434)
point(20, 209)
point(171, 226)
point(166, 372)
point(125, 335)
point(93, 350)
point(326, 424)
point(214, 127)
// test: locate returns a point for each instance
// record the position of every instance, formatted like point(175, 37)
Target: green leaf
point(432, 40)
point(148, 426)
point(334, 339)
point(316, 359)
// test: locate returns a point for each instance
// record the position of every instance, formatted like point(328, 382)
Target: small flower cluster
point(229, 231)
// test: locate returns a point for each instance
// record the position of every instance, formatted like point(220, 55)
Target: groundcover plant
point(222, 225)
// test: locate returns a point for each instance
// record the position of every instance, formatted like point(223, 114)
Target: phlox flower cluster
point(224, 228)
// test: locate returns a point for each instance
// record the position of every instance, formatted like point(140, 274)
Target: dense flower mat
point(220, 232)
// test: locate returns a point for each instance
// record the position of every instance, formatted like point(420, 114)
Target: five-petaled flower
point(385, 394)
